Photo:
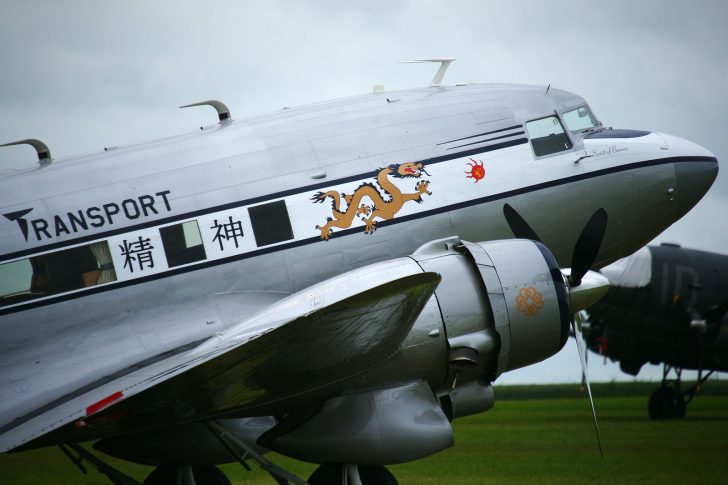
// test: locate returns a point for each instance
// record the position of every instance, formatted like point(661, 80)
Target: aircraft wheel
point(330, 474)
point(678, 408)
point(204, 475)
point(666, 403)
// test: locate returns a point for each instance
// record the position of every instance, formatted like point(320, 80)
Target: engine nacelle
point(504, 304)
point(499, 306)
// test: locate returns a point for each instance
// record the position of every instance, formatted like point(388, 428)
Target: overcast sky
point(81, 75)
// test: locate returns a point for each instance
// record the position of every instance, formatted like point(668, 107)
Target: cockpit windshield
point(580, 119)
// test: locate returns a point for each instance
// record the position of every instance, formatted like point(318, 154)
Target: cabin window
point(182, 243)
point(271, 223)
point(547, 136)
point(580, 119)
point(57, 272)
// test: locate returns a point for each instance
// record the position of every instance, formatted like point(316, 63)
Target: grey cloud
point(73, 72)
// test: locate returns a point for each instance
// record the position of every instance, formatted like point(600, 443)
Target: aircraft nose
point(694, 178)
point(695, 170)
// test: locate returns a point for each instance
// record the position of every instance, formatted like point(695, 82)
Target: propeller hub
point(592, 288)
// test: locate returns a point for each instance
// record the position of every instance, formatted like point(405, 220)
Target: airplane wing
point(318, 336)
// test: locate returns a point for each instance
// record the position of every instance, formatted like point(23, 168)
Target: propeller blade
point(582, 358)
point(587, 246)
point(518, 224)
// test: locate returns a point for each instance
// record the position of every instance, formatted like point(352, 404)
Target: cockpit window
point(547, 136)
point(580, 119)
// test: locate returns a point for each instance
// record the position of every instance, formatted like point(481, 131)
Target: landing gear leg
point(336, 474)
point(116, 477)
point(243, 452)
point(690, 393)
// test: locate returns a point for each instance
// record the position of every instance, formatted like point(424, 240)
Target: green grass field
point(546, 440)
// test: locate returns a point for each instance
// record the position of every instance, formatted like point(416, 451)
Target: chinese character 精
point(137, 251)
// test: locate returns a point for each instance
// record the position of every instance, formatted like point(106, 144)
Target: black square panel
point(271, 223)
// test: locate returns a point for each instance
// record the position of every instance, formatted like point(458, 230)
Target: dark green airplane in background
point(669, 305)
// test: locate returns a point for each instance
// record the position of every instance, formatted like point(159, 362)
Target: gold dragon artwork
point(381, 208)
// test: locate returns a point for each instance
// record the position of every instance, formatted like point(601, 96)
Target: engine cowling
point(506, 300)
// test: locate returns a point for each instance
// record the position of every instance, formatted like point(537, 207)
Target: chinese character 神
point(227, 231)
point(139, 251)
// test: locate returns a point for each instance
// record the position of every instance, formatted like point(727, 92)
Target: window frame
point(575, 107)
point(566, 132)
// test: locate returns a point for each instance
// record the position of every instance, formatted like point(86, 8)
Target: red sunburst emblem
point(476, 172)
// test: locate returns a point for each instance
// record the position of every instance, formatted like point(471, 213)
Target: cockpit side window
point(547, 136)
point(580, 119)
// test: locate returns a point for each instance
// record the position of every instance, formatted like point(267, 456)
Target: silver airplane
point(334, 282)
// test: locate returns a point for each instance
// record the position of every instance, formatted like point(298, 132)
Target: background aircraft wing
point(316, 337)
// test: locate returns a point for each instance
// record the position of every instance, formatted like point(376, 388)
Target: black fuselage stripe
point(482, 134)
point(358, 230)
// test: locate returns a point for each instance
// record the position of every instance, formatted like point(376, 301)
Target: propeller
point(585, 287)
point(518, 225)
point(715, 314)
point(585, 330)
point(587, 246)
point(707, 324)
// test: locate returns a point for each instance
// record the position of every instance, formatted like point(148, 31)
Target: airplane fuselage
point(147, 249)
